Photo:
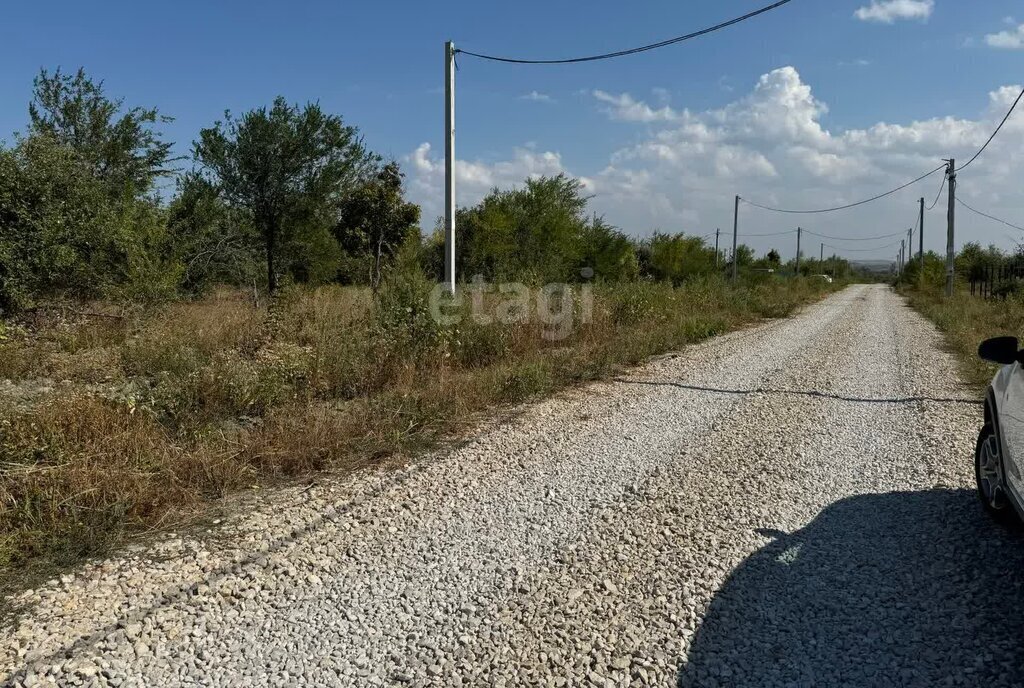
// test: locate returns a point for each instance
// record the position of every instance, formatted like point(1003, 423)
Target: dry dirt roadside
point(786, 505)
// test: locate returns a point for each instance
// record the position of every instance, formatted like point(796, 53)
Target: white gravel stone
point(786, 505)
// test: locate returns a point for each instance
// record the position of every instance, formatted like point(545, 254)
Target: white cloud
point(473, 179)
point(889, 11)
point(625, 108)
point(859, 62)
point(781, 107)
point(1011, 39)
point(771, 145)
point(537, 97)
point(662, 95)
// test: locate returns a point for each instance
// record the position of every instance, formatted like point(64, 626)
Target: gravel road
point(786, 505)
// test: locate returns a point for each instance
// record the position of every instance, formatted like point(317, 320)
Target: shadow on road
point(911, 588)
point(802, 392)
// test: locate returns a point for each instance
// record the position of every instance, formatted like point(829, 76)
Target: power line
point(864, 250)
point(982, 150)
point(848, 205)
point(768, 234)
point(991, 217)
point(835, 238)
point(938, 195)
point(633, 51)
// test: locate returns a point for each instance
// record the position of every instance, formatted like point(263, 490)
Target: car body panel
point(1004, 408)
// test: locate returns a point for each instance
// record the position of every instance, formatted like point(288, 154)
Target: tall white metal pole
point(449, 166)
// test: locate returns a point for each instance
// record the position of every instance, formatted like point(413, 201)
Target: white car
point(999, 455)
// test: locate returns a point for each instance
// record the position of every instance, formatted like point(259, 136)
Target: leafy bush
point(539, 233)
point(678, 257)
point(632, 302)
point(86, 245)
point(405, 326)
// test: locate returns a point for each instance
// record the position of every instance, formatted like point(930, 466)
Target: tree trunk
point(376, 265)
point(271, 272)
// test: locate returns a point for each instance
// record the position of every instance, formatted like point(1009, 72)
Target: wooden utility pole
point(798, 230)
point(718, 232)
point(735, 231)
point(920, 240)
point(910, 246)
point(449, 166)
point(821, 257)
point(950, 227)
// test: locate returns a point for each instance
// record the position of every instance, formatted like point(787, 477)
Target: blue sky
point(845, 106)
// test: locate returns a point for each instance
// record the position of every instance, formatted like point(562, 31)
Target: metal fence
point(998, 280)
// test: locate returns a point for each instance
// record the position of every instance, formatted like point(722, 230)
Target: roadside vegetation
point(965, 319)
point(277, 315)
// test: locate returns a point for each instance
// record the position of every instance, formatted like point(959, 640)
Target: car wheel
point(988, 470)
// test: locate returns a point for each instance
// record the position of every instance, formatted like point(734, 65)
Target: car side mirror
point(1002, 350)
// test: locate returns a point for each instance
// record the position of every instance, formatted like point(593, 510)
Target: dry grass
point(966, 321)
point(164, 411)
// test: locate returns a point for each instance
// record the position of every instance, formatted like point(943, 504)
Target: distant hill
point(872, 265)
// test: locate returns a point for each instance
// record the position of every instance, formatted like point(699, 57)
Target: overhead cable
point(632, 51)
point(864, 250)
point(991, 217)
point(767, 234)
point(938, 195)
point(848, 205)
point(982, 150)
point(836, 238)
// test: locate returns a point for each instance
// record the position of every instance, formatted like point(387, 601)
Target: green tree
point(287, 167)
point(535, 232)
point(374, 220)
point(212, 241)
point(934, 271)
point(676, 257)
point(972, 260)
point(61, 232)
point(122, 148)
point(773, 258)
point(608, 252)
point(744, 256)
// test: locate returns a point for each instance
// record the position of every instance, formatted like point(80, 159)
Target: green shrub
point(632, 302)
point(476, 345)
point(89, 244)
point(405, 326)
point(525, 381)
